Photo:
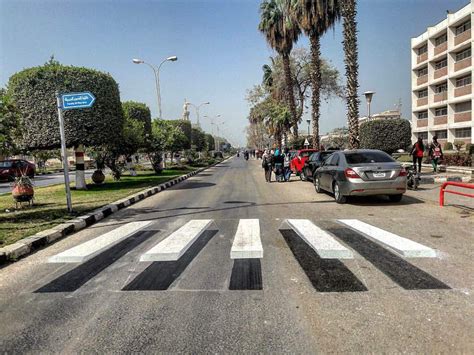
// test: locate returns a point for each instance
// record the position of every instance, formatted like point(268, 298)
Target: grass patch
point(50, 203)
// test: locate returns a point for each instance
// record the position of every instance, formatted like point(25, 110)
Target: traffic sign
point(76, 100)
point(306, 142)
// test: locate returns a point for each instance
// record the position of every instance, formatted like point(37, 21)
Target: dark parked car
point(314, 161)
point(361, 172)
point(10, 169)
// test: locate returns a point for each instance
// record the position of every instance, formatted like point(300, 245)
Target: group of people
point(434, 152)
point(277, 162)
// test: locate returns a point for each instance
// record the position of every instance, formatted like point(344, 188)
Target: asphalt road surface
point(45, 180)
point(291, 300)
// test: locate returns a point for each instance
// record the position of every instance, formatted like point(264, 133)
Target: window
point(463, 106)
point(422, 114)
point(465, 80)
point(423, 49)
point(423, 71)
point(334, 160)
point(463, 54)
point(441, 88)
point(441, 64)
point(368, 157)
point(422, 93)
point(423, 135)
point(442, 111)
point(463, 28)
point(441, 39)
point(442, 134)
point(6, 164)
point(462, 132)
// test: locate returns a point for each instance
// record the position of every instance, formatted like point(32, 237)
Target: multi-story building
point(385, 115)
point(441, 78)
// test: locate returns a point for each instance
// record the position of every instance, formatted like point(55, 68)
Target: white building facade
point(441, 77)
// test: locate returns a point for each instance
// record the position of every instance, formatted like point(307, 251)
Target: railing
point(443, 190)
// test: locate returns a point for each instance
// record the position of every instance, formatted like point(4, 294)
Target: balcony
point(463, 90)
point(441, 48)
point(421, 58)
point(440, 72)
point(440, 120)
point(440, 97)
point(462, 64)
point(422, 80)
point(463, 116)
point(422, 102)
point(422, 122)
point(462, 37)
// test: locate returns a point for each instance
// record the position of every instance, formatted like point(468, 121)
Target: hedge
point(33, 92)
point(386, 135)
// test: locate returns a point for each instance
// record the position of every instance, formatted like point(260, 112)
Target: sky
point(220, 51)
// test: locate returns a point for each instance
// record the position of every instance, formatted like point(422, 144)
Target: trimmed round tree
point(34, 91)
point(138, 111)
point(386, 135)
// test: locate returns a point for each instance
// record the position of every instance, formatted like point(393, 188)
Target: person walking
point(417, 152)
point(267, 165)
point(278, 161)
point(286, 165)
point(436, 154)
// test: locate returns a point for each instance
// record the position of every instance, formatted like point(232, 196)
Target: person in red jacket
point(417, 151)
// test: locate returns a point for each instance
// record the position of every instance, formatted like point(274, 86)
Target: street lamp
point(156, 70)
point(368, 98)
point(212, 124)
point(197, 110)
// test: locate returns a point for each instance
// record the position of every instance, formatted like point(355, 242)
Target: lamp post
point(156, 70)
point(197, 110)
point(368, 98)
point(218, 141)
point(212, 124)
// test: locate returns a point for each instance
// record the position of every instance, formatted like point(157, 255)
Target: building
point(441, 79)
point(385, 115)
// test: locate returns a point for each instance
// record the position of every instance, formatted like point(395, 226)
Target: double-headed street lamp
point(197, 110)
point(213, 123)
point(156, 70)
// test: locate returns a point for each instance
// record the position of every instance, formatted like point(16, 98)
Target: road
point(291, 300)
point(45, 180)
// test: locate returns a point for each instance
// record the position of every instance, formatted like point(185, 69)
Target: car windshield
point(6, 164)
point(368, 157)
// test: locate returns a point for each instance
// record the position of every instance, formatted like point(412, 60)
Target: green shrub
point(448, 146)
point(458, 144)
point(34, 90)
point(386, 135)
point(470, 148)
point(457, 159)
point(138, 111)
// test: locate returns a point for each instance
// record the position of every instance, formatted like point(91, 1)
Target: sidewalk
point(460, 174)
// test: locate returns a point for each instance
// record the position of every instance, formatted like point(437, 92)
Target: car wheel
point(338, 195)
point(302, 175)
point(395, 198)
point(317, 184)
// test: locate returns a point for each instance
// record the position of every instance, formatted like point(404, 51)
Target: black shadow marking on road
point(395, 267)
point(161, 274)
point(326, 275)
point(246, 275)
point(75, 278)
point(195, 185)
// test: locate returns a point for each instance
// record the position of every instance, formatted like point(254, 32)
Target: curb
point(443, 179)
point(27, 245)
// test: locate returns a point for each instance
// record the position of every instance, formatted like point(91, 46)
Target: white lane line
point(247, 243)
point(174, 246)
point(93, 247)
point(403, 246)
point(321, 241)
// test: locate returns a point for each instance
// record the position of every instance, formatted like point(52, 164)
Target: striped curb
point(27, 245)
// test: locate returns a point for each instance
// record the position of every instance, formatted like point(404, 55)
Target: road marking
point(174, 246)
point(247, 243)
point(91, 248)
point(321, 241)
point(403, 246)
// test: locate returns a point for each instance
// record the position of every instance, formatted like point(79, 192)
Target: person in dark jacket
point(417, 152)
point(436, 153)
point(278, 161)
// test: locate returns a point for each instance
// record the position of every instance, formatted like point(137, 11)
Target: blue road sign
point(77, 100)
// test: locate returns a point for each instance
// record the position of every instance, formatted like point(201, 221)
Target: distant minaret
point(185, 111)
point(399, 107)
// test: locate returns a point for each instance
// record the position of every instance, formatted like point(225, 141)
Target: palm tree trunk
point(316, 85)
point(352, 67)
point(290, 94)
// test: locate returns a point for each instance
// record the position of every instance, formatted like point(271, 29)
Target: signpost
point(70, 101)
point(306, 142)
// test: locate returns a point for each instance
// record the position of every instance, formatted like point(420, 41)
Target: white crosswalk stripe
point(321, 241)
point(403, 246)
point(247, 243)
point(174, 246)
point(93, 247)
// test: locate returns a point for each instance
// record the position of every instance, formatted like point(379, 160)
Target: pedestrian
point(417, 151)
point(435, 153)
point(286, 165)
point(278, 161)
point(267, 165)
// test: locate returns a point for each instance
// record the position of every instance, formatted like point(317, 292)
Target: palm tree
point(281, 33)
point(315, 17)
point(349, 13)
